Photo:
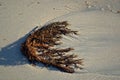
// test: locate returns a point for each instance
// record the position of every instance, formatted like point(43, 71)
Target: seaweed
point(39, 47)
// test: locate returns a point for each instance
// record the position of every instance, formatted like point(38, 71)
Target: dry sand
point(98, 42)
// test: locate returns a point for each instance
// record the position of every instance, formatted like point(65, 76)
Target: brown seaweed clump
point(39, 47)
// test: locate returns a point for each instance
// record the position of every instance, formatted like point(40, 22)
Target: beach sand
point(98, 42)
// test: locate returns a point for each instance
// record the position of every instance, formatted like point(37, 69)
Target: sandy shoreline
point(98, 41)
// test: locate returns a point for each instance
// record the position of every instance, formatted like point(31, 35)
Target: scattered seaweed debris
point(43, 40)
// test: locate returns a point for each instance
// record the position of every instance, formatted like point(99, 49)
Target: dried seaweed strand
point(43, 40)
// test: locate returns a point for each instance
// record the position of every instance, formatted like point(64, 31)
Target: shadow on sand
point(11, 55)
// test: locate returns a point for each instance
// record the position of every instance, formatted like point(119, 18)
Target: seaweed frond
point(43, 40)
